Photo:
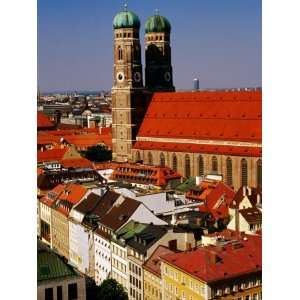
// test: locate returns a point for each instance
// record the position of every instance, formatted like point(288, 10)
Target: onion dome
point(126, 19)
point(157, 23)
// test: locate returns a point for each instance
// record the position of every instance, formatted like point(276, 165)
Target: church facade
point(195, 133)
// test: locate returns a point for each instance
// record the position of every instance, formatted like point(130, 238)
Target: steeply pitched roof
point(147, 237)
point(130, 229)
point(51, 155)
point(43, 121)
point(97, 205)
point(243, 192)
point(77, 163)
point(120, 213)
point(234, 116)
point(218, 201)
point(252, 215)
point(212, 263)
point(153, 263)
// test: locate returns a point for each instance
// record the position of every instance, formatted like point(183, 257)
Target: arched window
point(214, 165)
point(244, 172)
point(150, 158)
point(259, 173)
point(120, 53)
point(187, 166)
point(229, 171)
point(174, 163)
point(138, 156)
point(201, 166)
point(162, 160)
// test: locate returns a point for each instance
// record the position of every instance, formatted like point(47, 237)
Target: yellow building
point(152, 274)
point(231, 272)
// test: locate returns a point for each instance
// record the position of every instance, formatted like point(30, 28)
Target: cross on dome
point(156, 11)
point(125, 5)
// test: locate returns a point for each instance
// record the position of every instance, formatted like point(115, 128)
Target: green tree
point(98, 153)
point(110, 289)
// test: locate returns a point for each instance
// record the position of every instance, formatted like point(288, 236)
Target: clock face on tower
point(137, 76)
point(167, 76)
point(120, 76)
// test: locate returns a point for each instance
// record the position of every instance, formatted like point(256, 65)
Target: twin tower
point(130, 96)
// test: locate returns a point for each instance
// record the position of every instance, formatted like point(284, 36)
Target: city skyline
point(224, 37)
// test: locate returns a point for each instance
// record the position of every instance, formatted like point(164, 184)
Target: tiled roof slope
point(43, 121)
point(51, 267)
point(212, 263)
point(234, 116)
point(97, 205)
point(153, 263)
point(120, 213)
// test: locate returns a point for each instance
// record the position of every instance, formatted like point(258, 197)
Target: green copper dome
point(126, 19)
point(157, 23)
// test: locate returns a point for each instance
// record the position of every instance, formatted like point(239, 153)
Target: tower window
point(120, 53)
point(229, 171)
point(162, 160)
point(187, 166)
point(174, 165)
point(138, 156)
point(214, 165)
point(201, 165)
point(259, 173)
point(244, 172)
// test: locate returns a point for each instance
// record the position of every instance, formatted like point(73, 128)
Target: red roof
point(68, 194)
point(45, 139)
point(51, 155)
point(201, 148)
point(77, 163)
point(234, 116)
point(212, 263)
point(218, 201)
point(43, 121)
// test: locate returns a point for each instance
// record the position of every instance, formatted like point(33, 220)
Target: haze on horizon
point(218, 42)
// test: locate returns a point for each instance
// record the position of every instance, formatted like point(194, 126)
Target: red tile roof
point(218, 201)
point(144, 174)
point(200, 148)
point(234, 116)
point(77, 163)
point(45, 139)
point(51, 155)
point(43, 121)
point(64, 196)
point(211, 263)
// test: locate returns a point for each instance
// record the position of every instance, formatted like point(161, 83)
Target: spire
point(156, 12)
point(125, 5)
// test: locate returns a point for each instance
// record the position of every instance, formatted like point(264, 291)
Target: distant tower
point(127, 90)
point(159, 73)
point(196, 85)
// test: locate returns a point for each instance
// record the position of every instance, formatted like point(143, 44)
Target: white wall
point(102, 258)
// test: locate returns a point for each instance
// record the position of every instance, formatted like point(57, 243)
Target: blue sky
point(218, 41)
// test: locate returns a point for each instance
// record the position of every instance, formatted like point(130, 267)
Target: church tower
point(159, 73)
point(127, 90)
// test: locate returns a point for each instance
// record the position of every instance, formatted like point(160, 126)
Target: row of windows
point(152, 290)
point(103, 255)
point(136, 282)
point(135, 269)
point(119, 252)
point(101, 242)
point(156, 38)
point(135, 294)
point(214, 167)
point(119, 279)
point(120, 266)
point(72, 292)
